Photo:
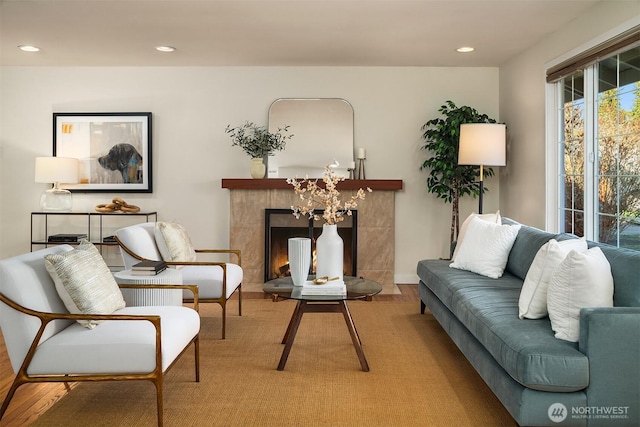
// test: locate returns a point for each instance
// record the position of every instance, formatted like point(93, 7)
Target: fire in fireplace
point(280, 225)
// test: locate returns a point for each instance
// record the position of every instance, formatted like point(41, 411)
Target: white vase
point(329, 253)
point(257, 168)
point(299, 251)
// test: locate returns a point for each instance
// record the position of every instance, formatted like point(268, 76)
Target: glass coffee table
point(357, 289)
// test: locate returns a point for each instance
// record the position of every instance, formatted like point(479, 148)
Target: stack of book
point(66, 238)
point(334, 287)
point(148, 268)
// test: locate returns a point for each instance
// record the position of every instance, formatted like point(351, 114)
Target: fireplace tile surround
point(376, 234)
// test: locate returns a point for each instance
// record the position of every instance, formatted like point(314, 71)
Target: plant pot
point(258, 168)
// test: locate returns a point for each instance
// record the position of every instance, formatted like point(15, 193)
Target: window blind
point(623, 41)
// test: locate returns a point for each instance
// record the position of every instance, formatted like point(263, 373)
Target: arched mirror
point(322, 131)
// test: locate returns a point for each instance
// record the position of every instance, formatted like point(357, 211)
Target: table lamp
point(56, 170)
point(482, 144)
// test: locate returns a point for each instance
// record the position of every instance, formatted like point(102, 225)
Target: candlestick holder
point(361, 174)
point(352, 173)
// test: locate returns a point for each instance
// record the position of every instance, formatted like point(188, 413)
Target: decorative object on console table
point(482, 144)
point(66, 238)
point(299, 252)
point(361, 157)
point(56, 170)
point(258, 143)
point(329, 245)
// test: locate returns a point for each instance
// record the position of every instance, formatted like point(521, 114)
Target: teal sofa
point(542, 380)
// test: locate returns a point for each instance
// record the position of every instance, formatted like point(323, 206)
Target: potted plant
point(448, 180)
point(258, 143)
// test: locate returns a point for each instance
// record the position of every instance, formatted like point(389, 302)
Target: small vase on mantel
point(257, 168)
point(329, 253)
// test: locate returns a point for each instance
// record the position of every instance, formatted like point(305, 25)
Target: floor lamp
point(482, 144)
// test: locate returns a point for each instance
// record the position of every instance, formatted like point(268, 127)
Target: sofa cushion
point(582, 280)
point(625, 268)
point(524, 249)
point(527, 350)
point(485, 248)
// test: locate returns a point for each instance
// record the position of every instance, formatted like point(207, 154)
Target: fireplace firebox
point(281, 225)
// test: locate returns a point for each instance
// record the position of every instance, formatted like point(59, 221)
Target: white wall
point(191, 153)
point(522, 106)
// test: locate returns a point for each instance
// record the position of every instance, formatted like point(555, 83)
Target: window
point(598, 121)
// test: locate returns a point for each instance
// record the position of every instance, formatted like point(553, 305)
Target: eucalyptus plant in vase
point(258, 143)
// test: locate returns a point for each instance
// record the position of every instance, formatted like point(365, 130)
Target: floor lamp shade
point(482, 144)
point(56, 170)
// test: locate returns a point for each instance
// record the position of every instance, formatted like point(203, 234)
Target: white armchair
point(216, 281)
point(46, 343)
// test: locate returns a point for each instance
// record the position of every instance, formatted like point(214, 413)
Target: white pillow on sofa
point(582, 280)
point(485, 248)
point(174, 243)
point(491, 217)
point(84, 283)
point(533, 296)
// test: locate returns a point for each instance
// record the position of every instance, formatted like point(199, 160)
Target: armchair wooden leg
point(17, 382)
point(224, 318)
point(158, 383)
point(240, 300)
point(196, 346)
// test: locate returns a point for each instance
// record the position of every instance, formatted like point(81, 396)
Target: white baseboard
point(406, 279)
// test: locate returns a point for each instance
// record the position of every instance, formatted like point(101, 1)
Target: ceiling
point(277, 33)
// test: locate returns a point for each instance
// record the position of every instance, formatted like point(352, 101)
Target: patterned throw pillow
point(84, 282)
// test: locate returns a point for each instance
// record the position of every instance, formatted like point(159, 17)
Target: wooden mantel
point(281, 184)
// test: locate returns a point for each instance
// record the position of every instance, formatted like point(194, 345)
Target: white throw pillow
point(84, 282)
point(485, 248)
point(533, 296)
point(173, 242)
point(582, 280)
point(490, 217)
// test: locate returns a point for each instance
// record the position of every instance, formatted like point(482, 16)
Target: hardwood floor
point(32, 400)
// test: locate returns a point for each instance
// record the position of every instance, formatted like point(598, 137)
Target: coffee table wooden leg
point(293, 317)
point(290, 335)
point(354, 335)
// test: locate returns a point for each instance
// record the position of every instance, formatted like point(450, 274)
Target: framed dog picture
point(114, 150)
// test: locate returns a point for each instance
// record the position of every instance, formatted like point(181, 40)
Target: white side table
point(139, 297)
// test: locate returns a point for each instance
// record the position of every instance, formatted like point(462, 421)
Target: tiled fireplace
point(375, 225)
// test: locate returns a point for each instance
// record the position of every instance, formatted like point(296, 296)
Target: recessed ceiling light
point(165, 48)
point(465, 49)
point(28, 48)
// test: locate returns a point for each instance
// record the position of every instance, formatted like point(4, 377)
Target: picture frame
point(114, 150)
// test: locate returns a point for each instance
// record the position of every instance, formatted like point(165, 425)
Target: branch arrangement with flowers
point(327, 199)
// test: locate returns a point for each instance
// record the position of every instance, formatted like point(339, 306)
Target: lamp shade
point(482, 144)
point(56, 169)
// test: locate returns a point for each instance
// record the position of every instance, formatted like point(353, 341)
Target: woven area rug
point(417, 378)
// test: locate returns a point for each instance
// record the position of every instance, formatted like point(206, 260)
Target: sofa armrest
point(610, 337)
